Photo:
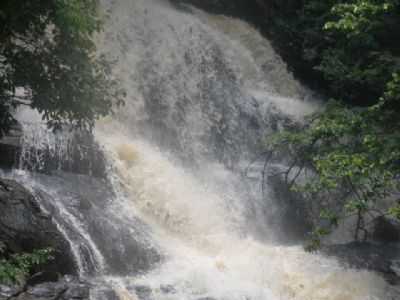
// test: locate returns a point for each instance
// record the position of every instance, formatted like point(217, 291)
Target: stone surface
point(66, 289)
point(80, 154)
point(143, 292)
point(10, 147)
point(24, 227)
point(291, 218)
point(386, 230)
point(381, 258)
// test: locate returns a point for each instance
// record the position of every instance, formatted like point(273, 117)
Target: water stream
point(176, 218)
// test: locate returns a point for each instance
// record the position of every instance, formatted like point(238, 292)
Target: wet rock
point(68, 288)
point(42, 277)
point(167, 289)
point(291, 217)
point(75, 152)
point(120, 243)
point(10, 147)
point(24, 227)
point(78, 291)
point(7, 291)
point(105, 294)
point(386, 230)
point(143, 292)
point(381, 258)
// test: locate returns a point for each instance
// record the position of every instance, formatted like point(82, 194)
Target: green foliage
point(353, 159)
point(46, 50)
point(346, 160)
point(352, 45)
point(16, 267)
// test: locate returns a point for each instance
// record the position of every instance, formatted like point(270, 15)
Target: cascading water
point(176, 218)
point(202, 91)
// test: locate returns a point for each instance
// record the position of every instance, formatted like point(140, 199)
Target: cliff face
point(257, 12)
point(265, 15)
point(24, 227)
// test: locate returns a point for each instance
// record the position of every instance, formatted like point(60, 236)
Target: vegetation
point(47, 61)
point(15, 268)
point(346, 160)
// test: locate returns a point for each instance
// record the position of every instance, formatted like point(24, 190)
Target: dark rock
point(168, 289)
point(66, 289)
point(292, 218)
point(381, 258)
point(143, 292)
point(42, 277)
point(386, 230)
point(10, 147)
point(24, 227)
point(81, 156)
point(7, 291)
point(78, 291)
point(105, 294)
point(46, 290)
point(119, 245)
point(257, 12)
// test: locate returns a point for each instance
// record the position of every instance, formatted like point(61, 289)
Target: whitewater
point(203, 92)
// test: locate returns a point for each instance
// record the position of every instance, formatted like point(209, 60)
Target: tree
point(48, 61)
point(346, 160)
point(351, 47)
point(15, 268)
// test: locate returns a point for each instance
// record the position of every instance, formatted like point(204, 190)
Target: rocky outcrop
point(69, 151)
point(291, 218)
point(81, 155)
point(386, 230)
point(257, 12)
point(10, 147)
point(380, 258)
point(24, 227)
point(68, 288)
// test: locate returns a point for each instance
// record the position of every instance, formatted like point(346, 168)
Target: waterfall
point(175, 218)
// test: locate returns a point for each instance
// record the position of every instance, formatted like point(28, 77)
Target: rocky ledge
point(381, 258)
point(25, 227)
point(67, 288)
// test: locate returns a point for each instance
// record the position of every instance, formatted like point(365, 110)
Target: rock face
point(82, 155)
point(386, 230)
point(10, 147)
point(68, 288)
point(257, 12)
point(69, 151)
point(381, 258)
point(25, 227)
point(292, 218)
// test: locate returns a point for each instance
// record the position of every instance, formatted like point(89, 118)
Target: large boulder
point(10, 147)
point(291, 217)
point(380, 258)
point(70, 151)
point(386, 230)
point(68, 288)
point(24, 227)
point(257, 12)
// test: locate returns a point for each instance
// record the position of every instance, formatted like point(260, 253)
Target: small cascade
point(155, 204)
point(202, 93)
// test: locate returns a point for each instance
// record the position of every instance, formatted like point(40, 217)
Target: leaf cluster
point(48, 62)
point(353, 45)
point(346, 162)
point(15, 268)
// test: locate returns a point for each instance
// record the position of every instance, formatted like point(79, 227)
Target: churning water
point(182, 222)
